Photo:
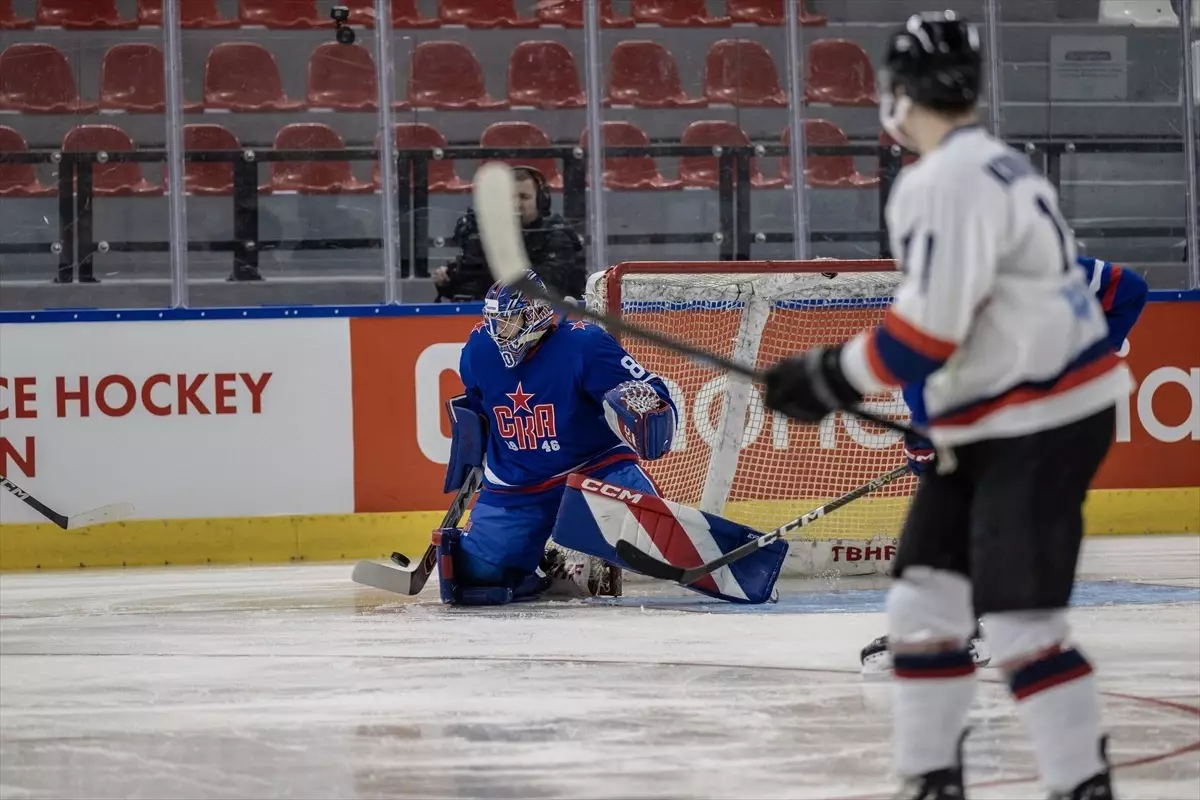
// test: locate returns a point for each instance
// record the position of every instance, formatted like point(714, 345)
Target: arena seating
point(827, 172)
point(113, 179)
point(443, 179)
point(313, 177)
point(543, 74)
point(701, 172)
point(9, 21)
point(343, 78)
point(82, 15)
point(19, 180)
point(192, 14)
point(629, 173)
point(243, 76)
point(523, 134)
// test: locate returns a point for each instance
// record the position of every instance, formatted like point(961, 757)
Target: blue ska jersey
point(546, 414)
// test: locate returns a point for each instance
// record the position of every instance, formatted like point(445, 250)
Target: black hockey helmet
point(936, 57)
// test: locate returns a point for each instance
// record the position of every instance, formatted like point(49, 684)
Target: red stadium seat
point(112, 179)
point(702, 171)
point(243, 76)
point(9, 20)
point(676, 14)
point(19, 180)
point(445, 75)
point(192, 14)
point(908, 157)
point(313, 177)
point(282, 14)
point(482, 14)
point(342, 77)
point(442, 177)
point(131, 79)
point(82, 15)
point(36, 79)
point(569, 14)
point(644, 74)
point(768, 12)
point(629, 172)
point(210, 177)
point(741, 72)
point(404, 14)
point(828, 172)
point(523, 134)
point(840, 73)
point(544, 74)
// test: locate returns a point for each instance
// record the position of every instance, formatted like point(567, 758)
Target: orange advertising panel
point(405, 368)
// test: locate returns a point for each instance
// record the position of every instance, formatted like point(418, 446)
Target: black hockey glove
point(809, 386)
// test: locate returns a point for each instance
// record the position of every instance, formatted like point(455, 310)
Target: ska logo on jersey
point(526, 426)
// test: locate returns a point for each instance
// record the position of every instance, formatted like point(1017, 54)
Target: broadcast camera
point(341, 18)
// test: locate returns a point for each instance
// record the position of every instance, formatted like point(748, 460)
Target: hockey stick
point(649, 565)
point(109, 513)
point(508, 261)
point(405, 578)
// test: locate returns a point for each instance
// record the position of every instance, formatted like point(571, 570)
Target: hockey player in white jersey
point(1020, 384)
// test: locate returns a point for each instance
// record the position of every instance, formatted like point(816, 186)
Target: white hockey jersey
point(992, 315)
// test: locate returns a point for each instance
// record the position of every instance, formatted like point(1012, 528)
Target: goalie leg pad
point(600, 510)
point(453, 589)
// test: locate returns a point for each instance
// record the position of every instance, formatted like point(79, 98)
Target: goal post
point(733, 457)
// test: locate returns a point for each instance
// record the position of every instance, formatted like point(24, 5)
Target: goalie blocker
point(595, 515)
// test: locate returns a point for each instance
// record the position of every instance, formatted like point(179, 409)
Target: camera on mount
point(341, 18)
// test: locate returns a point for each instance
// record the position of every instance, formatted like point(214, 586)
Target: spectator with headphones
point(552, 244)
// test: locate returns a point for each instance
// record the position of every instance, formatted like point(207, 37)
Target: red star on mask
point(520, 400)
point(579, 326)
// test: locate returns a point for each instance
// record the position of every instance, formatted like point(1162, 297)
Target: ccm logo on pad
point(608, 490)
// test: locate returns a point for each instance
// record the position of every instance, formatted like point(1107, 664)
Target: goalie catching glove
point(638, 415)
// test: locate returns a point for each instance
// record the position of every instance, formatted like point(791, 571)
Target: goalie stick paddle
point(108, 513)
point(647, 564)
point(508, 261)
point(407, 578)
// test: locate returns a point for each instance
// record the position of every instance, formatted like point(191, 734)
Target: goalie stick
point(649, 565)
point(508, 261)
point(109, 513)
point(404, 578)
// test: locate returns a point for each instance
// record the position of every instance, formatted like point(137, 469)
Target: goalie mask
point(515, 322)
point(936, 59)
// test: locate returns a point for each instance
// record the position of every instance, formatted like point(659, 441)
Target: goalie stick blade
point(499, 228)
point(643, 562)
point(387, 577)
point(110, 513)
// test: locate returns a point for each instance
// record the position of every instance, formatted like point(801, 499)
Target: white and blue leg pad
point(930, 605)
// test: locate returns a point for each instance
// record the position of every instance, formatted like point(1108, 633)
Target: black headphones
point(543, 191)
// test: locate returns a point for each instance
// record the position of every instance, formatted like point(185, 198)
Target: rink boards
point(273, 434)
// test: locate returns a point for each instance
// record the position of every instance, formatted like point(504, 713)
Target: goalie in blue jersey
point(558, 415)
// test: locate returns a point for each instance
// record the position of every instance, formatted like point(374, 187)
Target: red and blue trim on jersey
point(927, 666)
point(899, 353)
point(1092, 363)
point(1122, 294)
point(619, 454)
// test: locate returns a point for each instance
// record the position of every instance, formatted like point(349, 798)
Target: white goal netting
point(731, 456)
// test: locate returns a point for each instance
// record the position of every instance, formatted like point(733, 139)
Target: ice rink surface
point(294, 682)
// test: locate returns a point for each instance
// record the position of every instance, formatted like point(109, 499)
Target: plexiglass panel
point(1095, 93)
point(273, 98)
point(82, 217)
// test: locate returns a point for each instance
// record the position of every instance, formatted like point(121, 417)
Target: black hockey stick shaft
point(58, 519)
point(616, 323)
point(647, 564)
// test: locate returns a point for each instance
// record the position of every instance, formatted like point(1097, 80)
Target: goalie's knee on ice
point(1016, 637)
point(928, 606)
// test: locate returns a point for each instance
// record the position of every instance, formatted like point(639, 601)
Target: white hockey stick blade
point(388, 577)
point(109, 513)
point(499, 226)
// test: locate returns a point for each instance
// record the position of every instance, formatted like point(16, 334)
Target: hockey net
point(733, 457)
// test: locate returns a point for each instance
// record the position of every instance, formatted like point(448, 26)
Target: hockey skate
point(941, 784)
point(1097, 787)
point(574, 575)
